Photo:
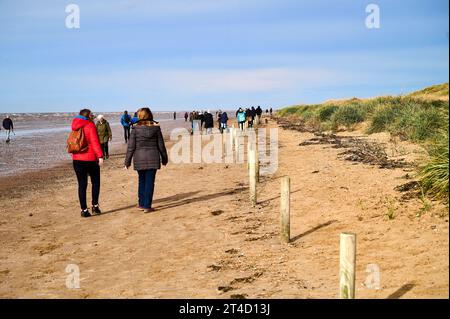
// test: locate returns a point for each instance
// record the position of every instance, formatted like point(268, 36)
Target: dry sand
point(184, 251)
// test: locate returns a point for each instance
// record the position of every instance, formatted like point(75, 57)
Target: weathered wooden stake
point(252, 144)
point(285, 209)
point(224, 144)
point(249, 148)
point(257, 160)
point(232, 129)
point(229, 146)
point(237, 145)
point(252, 175)
point(347, 265)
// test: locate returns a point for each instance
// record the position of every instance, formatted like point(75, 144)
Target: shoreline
point(31, 153)
point(18, 185)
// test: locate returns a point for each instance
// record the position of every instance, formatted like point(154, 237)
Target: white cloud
point(211, 80)
point(254, 80)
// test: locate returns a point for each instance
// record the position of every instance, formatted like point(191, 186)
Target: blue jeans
point(146, 187)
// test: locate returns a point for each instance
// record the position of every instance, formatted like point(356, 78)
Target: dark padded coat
point(209, 120)
point(146, 147)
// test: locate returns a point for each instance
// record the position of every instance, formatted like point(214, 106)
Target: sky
point(208, 54)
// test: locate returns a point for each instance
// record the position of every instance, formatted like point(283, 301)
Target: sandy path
point(183, 250)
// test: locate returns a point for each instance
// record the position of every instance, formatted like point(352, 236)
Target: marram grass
point(434, 174)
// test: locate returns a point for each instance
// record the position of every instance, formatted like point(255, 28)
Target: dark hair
point(85, 112)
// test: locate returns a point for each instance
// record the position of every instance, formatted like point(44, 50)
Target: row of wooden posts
point(347, 256)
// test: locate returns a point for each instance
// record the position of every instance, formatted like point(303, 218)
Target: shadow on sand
point(179, 200)
point(401, 291)
point(313, 230)
point(201, 198)
point(276, 197)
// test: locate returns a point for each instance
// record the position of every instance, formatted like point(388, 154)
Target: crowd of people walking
point(203, 121)
point(88, 143)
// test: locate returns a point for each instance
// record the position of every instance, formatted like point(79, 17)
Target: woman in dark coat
point(146, 147)
point(209, 122)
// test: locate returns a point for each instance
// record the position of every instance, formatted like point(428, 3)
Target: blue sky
point(185, 54)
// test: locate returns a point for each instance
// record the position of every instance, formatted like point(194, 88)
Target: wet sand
point(206, 241)
point(40, 141)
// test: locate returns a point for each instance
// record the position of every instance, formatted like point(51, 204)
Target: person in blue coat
point(125, 120)
point(241, 118)
point(135, 119)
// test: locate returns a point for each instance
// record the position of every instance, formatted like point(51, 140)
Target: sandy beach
point(205, 240)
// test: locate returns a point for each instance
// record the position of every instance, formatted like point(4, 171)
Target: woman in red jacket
point(88, 163)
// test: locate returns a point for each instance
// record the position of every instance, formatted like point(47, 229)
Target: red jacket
point(94, 151)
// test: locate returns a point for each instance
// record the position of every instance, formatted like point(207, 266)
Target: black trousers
point(126, 133)
point(105, 149)
point(83, 169)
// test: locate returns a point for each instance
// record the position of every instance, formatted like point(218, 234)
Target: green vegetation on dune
point(410, 119)
point(435, 91)
point(421, 117)
point(434, 174)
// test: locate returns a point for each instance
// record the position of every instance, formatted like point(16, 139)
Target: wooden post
point(285, 209)
point(232, 129)
point(249, 148)
point(229, 146)
point(347, 265)
point(252, 144)
point(257, 160)
point(252, 176)
point(235, 143)
point(224, 144)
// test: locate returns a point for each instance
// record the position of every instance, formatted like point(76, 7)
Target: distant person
point(87, 163)
point(174, 115)
point(240, 116)
point(252, 116)
point(248, 117)
point(196, 123)
point(104, 134)
point(191, 120)
point(8, 125)
point(148, 151)
point(201, 117)
point(209, 122)
point(258, 114)
point(218, 116)
point(134, 119)
point(125, 120)
point(186, 116)
point(270, 111)
point(223, 121)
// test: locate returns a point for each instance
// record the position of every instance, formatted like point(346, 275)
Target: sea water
point(39, 141)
